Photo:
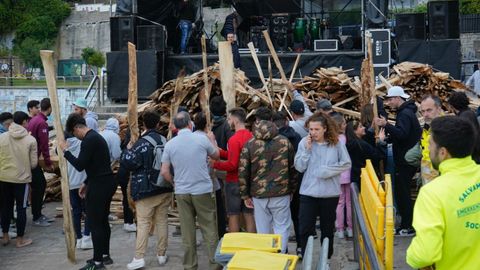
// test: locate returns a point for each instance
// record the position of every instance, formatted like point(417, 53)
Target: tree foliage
point(35, 23)
point(469, 6)
point(93, 57)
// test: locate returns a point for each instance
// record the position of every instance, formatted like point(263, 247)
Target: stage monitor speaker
point(410, 26)
point(376, 12)
point(384, 70)
point(123, 29)
point(151, 37)
point(279, 26)
point(150, 73)
point(381, 46)
point(443, 20)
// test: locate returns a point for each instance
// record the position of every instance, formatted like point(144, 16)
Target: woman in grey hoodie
point(321, 158)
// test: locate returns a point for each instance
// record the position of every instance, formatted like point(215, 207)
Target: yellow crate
point(233, 242)
point(259, 260)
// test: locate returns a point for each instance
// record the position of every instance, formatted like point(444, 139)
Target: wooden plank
point(49, 67)
point(274, 54)
point(257, 63)
point(132, 93)
point(346, 111)
point(372, 81)
point(205, 93)
point(346, 100)
point(226, 72)
point(294, 67)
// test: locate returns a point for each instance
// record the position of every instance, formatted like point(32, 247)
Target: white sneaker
point(136, 264)
point(130, 227)
point(86, 242)
point(340, 234)
point(79, 243)
point(162, 260)
point(349, 233)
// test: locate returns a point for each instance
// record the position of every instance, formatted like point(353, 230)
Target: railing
point(470, 23)
point(39, 81)
point(373, 221)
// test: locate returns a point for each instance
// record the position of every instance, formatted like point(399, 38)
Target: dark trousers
point(401, 183)
point(221, 223)
point(98, 198)
point(78, 208)
point(127, 212)
point(38, 186)
point(310, 208)
point(294, 210)
point(11, 194)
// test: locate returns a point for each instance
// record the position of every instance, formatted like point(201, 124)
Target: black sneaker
point(299, 253)
point(405, 232)
point(93, 266)
point(106, 260)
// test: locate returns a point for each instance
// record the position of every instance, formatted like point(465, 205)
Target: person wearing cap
point(80, 107)
point(324, 105)
point(404, 135)
point(300, 111)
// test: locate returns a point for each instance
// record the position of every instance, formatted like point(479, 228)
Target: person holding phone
point(321, 158)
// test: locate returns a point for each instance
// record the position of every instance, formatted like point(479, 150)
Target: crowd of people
point(263, 176)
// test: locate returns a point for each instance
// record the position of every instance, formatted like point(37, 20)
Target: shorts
point(234, 202)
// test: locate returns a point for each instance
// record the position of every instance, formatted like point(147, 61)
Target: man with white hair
point(404, 135)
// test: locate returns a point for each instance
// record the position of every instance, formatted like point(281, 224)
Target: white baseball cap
point(397, 91)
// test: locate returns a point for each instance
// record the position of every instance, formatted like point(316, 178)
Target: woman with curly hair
point(322, 159)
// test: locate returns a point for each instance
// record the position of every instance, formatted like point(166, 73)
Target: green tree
point(469, 6)
point(29, 51)
point(93, 57)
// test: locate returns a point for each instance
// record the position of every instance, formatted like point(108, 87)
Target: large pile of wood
point(420, 79)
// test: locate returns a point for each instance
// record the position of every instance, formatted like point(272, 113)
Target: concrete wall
point(470, 50)
point(84, 29)
point(18, 98)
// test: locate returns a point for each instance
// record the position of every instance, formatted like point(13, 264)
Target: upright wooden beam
point(70, 239)
point(372, 90)
point(257, 63)
point(226, 72)
point(295, 67)
point(274, 54)
point(205, 92)
point(132, 93)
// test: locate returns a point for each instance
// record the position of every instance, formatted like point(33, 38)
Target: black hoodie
point(406, 132)
point(222, 131)
point(291, 135)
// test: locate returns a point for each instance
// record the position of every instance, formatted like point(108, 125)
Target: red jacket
point(38, 128)
point(232, 156)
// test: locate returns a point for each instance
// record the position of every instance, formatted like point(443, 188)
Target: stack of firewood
point(420, 79)
point(53, 192)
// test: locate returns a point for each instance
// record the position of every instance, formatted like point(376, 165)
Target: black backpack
point(155, 176)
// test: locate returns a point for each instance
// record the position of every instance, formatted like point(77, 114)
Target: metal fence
point(470, 23)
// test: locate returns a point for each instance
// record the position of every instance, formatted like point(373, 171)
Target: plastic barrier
point(323, 260)
point(373, 220)
point(307, 261)
point(233, 242)
point(259, 260)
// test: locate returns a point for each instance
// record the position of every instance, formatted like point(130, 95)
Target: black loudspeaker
point(410, 26)
point(443, 21)
point(376, 12)
point(257, 38)
point(150, 73)
point(151, 37)
point(279, 26)
point(381, 46)
point(444, 55)
point(123, 29)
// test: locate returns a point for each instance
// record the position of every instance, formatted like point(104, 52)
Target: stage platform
point(309, 61)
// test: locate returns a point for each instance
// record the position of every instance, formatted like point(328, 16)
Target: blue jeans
point(78, 207)
point(186, 28)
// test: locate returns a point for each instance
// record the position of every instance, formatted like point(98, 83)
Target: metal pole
point(362, 32)
point(110, 8)
point(134, 7)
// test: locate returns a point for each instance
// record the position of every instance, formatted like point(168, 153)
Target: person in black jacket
point(404, 135)
point(123, 177)
point(151, 201)
point(237, 63)
point(221, 129)
point(459, 102)
point(360, 150)
point(97, 189)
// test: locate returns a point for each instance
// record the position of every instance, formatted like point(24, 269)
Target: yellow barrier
point(376, 204)
point(257, 260)
point(389, 224)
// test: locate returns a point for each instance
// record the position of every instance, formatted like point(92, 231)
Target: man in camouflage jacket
point(267, 174)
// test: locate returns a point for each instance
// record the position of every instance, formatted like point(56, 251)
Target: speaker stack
point(431, 38)
point(279, 26)
point(150, 41)
point(258, 25)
